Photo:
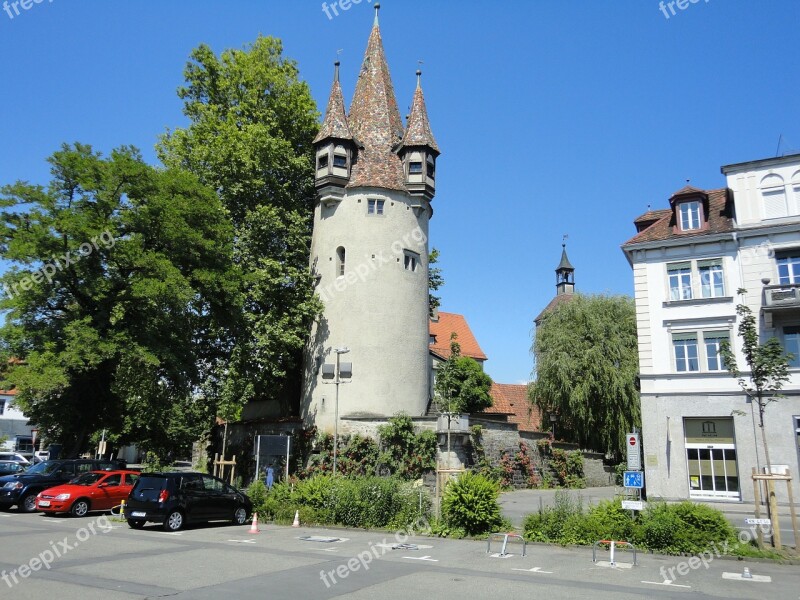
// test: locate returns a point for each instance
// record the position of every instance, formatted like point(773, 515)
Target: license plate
point(44, 502)
point(138, 514)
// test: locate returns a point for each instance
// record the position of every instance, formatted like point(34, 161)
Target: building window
point(432, 168)
point(322, 162)
point(375, 207)
point(340, 261)
point(789, 269)
point(797, 434)
point(711, 341)
point(410, 261)
point(685, 347)
point(680, 281)
point(711, 281)
point(2, 407)
point(791, 343)
point(773, 193)
point(340, 161)
point(689, 215)
point(415, 167)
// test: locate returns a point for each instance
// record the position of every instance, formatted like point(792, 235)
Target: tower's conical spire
point(565, 273)
point(418, 128)
point(335, 123)
point(564, 265)
point(375, 121)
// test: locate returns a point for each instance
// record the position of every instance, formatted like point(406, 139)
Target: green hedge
point(683, 528)
point(369, 502)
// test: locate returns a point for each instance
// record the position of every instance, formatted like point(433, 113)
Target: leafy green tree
point(768, 363)
point(461, 384)
point(117, 298)
point(586, 370)
point(252, 122)
point(435, 281)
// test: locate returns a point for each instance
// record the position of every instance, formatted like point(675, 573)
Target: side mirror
point(103, 485)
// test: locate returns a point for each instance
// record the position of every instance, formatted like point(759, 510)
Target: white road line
point(667, 582)
point(534, 570)
point(243, 541)
point(427, 558)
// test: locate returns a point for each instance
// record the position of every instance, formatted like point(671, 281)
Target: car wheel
point(79, 508)
point(133, 524)
point(240, 516)
point(174, 521)
point(28, 503)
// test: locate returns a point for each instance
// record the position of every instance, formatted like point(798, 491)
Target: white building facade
point(700, 431)
point(375, 180)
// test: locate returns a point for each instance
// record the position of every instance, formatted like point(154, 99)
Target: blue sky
point(554, 117)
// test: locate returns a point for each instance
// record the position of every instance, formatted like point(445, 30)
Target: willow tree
point(586, 367)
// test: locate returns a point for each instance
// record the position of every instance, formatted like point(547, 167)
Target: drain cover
point(317, 538)
point(405, 547)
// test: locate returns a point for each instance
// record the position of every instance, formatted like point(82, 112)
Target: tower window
point(689, 215)
point(375, 207)
point(431, 167)
point(340, 261)
point(340, 161)
point(415, 167)
point(322, 161)
point(410, 261)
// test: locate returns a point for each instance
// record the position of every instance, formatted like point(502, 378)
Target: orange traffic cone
point(254, 526)
point(296, 519)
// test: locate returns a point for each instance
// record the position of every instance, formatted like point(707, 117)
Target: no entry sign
point(634, 456)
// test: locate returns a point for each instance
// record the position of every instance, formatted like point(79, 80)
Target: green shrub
point(658, 526)
point(470, 504)
point(560, 523)
point(701, 525)
point(257, 492)
point(606, 521)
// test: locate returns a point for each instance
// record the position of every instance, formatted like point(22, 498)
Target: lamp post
point(337, 381)
point(553, 419)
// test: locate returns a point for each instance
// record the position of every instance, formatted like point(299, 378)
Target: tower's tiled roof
point(418, 128)
point(375, 122)
point(564, 264)
point(335, 123)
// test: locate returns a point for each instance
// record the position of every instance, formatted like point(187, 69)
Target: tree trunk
point(763, 433)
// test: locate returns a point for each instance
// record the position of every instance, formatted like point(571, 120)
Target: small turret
point(419, 150)
point(565, 274)
point(334, 147)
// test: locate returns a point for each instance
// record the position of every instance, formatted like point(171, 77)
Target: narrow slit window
point(340, 261)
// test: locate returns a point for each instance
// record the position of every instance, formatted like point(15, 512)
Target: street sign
point(634, 454)
point(633, 479)
point(632, 505)
point(758, 521)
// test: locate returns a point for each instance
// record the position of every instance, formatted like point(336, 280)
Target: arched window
point(773, 192)
point(340, 261)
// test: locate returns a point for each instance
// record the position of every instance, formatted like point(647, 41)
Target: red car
point(95, 490)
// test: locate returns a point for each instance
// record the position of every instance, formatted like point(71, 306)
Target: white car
point(15, 457)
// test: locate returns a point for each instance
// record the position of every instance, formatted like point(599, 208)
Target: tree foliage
point(252, 122)
point(768, 364)
point(118, 295)
point(461, 384)
point(586, 370)
point(435, 281)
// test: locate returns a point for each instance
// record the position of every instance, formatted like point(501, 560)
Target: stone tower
point(375, 181)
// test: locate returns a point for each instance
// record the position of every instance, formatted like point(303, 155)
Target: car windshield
point(87, 479)
point(44, 468)
point(149, 488)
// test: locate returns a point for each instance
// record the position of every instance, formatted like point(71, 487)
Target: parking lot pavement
point(98, 558)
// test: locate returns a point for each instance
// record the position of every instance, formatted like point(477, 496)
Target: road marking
point(330, 549)
point(667, 582)
point(498, 555)
point(605, 563)
point(243, 541)
point(534, 570)
point(169, 533)
point(756, 578)
point(427, 558)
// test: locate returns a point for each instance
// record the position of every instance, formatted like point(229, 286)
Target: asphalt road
point(102, 559)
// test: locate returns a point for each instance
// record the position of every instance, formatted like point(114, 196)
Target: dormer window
point(431, 167)
point(322, 162)
point(340, 161)
point(689, 215)
point(415, 167)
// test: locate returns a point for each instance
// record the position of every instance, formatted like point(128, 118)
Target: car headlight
point(62, 497)
point(14, 485)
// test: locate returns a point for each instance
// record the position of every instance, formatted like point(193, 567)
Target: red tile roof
point(335, 123)
point(512, 400)
point(452, 323)
point(418, 130)
point(8, 392)
point(720, 219)
point(557, 300)
point(375, 122)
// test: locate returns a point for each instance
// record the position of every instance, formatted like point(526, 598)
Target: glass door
point(713, 472)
